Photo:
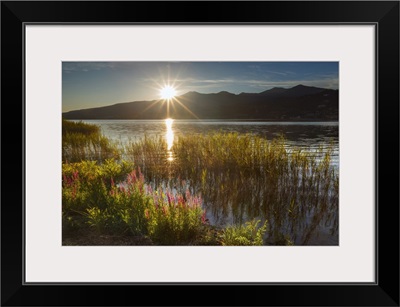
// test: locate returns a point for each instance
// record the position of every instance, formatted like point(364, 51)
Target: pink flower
point(187, 194)
point(203, 217)
point(132, 177)
point(181, 201)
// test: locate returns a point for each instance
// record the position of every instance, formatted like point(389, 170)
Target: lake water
point(300, 134)
point(316, 227)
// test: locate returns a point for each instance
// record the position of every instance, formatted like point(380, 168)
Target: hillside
point(296, 103)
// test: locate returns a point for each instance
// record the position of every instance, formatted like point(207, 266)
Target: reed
point(243, 176)
point(81, 141)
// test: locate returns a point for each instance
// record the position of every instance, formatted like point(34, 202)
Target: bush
point(175, 219)
point(248, 234)
point(112, 198)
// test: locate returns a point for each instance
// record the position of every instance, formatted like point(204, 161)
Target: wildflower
point(75, 175)
point(203, 217)
point(132, 177)
point(169, 198)
point(187, 194)
point(181, 201)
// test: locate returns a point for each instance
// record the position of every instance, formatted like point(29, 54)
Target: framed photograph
point(200, 153)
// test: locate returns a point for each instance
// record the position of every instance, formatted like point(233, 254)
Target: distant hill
point(297, 103)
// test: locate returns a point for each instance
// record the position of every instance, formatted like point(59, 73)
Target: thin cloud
point(325, 82)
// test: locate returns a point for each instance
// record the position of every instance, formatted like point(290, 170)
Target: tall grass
point(243, 176)
point(81, 141)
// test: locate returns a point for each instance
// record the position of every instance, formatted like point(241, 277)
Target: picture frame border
point(384, 15)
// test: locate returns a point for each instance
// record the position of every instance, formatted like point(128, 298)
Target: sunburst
point(167, 92)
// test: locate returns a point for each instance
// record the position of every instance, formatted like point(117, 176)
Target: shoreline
point(216, 120)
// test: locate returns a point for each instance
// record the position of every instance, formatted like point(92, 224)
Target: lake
point(247, 197)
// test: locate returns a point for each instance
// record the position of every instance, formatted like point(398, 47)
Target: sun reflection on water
point(169, 137)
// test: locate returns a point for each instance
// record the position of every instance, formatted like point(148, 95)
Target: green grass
point(241, 177)
point(246, 177)
point(113, 198)
point(244, 235)
point(81, 141)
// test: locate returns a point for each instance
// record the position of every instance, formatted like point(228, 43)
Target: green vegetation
point(247, 176)
point(248, 234)
point(112, 198)
point(82, 141)
point(137, 191)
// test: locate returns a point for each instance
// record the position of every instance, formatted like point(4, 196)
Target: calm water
point(317, 227)
point(300, 134)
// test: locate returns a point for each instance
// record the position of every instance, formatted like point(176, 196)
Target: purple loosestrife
point(169, 197)
point(203, 217)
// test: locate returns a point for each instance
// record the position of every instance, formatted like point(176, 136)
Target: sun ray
point(152, 105)
point(167, 92)
point(185, 107)
point(168, 89)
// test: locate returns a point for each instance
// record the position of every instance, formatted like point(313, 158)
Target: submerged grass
point(241, 177)
point(244, 176)
point(81, 141)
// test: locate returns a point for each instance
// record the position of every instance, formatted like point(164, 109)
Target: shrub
point(175, 219)
point(248, 234)
point(113, 198)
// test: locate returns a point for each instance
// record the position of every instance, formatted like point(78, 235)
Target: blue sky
point(94, 84)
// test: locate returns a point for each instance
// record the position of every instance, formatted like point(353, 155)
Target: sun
point(167, 92)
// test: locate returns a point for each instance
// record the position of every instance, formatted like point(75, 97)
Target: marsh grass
point(240, 177)
point(81, 141)
point(243, 176)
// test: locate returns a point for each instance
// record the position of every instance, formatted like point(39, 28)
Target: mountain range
point(300, 102)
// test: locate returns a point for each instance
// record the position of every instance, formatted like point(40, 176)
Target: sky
point(95, 84)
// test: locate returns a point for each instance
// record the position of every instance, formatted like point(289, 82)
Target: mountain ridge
point(297, 103)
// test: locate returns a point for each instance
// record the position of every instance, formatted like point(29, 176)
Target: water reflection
point(169, 137)
point(300, 200)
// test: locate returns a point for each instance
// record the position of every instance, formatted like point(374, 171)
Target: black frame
point(385, 15)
